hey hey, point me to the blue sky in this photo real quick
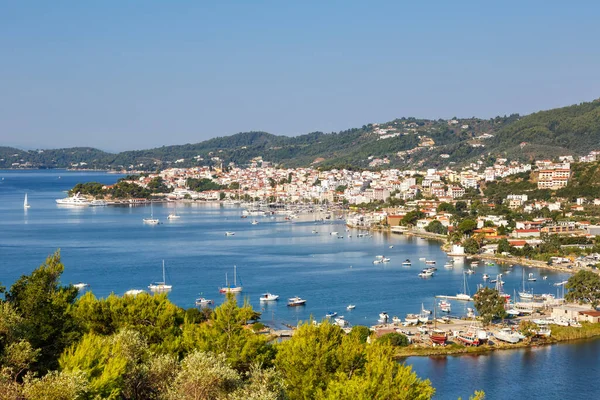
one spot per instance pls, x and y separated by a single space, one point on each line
137 74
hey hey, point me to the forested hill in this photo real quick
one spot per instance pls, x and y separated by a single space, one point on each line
405 142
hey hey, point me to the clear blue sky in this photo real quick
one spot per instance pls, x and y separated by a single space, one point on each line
136 74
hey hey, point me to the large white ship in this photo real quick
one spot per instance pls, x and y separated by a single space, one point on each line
76 200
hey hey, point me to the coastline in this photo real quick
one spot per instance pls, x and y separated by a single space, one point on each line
560 335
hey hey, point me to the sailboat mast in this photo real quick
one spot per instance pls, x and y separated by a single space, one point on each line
234 276
164 280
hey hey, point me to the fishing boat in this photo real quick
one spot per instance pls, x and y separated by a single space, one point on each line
406 263
151 220
507 335
330 314
468 338
296 301
268 297
531 277
229 233
25 203
202 302
436 335
160 287
350 307
412 319
231 289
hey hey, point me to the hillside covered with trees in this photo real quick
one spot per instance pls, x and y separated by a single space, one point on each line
572 130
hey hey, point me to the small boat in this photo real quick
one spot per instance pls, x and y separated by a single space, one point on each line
531 277
469 272
424 315
383 316
507 335
340 321
469 338
229 233
423 329
25 203
333 233
391 247
574 324
350 307
438 336
513 312
254 222
231 289
544 277
134 292
543 331
315 232
151 220
422 259
202 302
475 264
385 260
406 263
377 261
425 273
160 287
429 262
449 266
412 319
268 297
331 314
80 285
396 320
445 306
296 301
486 277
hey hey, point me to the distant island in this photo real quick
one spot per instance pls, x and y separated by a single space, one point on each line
401 143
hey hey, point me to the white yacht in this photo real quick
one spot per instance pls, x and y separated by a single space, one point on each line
202 302
151 220
231 288
160 287
229 233
76 200
80 286
507 335
134 292
173 216
268 297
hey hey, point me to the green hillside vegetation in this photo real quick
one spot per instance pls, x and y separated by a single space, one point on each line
572 130
56 345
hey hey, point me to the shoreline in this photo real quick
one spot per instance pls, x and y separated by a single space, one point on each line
572 334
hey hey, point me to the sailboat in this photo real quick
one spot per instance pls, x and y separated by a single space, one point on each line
151 220
160 287
173 215
525 294
25 203
231 289
437 336
464 295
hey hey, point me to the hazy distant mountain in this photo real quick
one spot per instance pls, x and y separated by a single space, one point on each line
399 143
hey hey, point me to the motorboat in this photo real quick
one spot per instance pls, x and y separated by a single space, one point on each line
160 287
76 200
333 233
80 285
449 266
134 292
469 272
340 321
268 297
531 277
475 264
513 312
507 335
229 233
422 259
425 273
331 314
406 263
296 301
412 319
429 262
445 306
385 260
173 216
350 307
543 331
202 302
231 289
377 261
254 222
486 277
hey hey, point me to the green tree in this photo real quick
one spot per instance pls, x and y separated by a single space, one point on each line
471 246
436 226
489 304
467 226
446 207
503 246
584 288
394 339
45 307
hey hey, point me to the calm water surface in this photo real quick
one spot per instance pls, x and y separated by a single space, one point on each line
113 251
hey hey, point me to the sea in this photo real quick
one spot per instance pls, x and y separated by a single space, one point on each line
113 251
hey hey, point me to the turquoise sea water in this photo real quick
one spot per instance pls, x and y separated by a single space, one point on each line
113 251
